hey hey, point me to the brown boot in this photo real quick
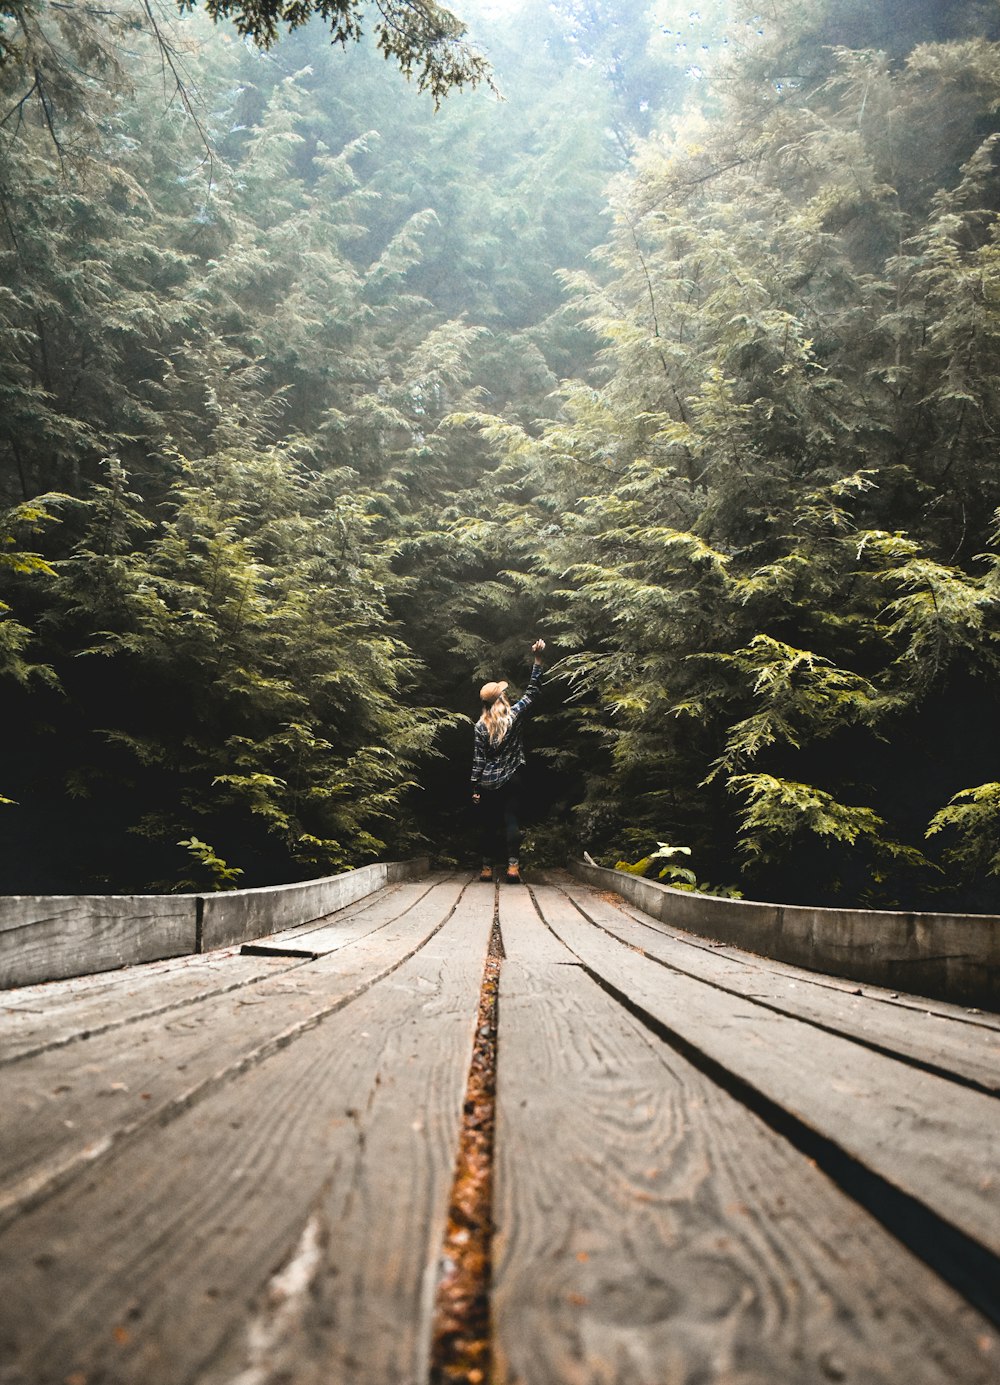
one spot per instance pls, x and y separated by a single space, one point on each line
513 876
486 874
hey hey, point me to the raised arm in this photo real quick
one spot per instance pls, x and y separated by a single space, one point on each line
534 682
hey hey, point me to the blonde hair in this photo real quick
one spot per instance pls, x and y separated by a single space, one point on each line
496 718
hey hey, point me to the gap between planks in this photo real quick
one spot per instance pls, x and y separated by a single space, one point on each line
914 1148
46 1150
972 1016
334 1160
650 1227
91 1001
461 1338
972 1064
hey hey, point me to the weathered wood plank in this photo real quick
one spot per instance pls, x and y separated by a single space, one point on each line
58 1012
933 1140
46 936
651 1229
332 1160
50 1015
325 935
954 956
901 1000
945 1043
237 915
65 1108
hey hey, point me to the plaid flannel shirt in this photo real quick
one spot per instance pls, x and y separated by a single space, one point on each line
494 765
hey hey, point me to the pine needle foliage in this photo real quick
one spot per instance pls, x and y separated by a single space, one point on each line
425 39
256 680
770 509
314 404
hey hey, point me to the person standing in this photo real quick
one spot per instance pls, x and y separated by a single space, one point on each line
497 762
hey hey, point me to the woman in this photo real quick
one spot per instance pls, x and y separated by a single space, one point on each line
497 761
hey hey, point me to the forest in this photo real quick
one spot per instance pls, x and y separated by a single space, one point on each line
669 333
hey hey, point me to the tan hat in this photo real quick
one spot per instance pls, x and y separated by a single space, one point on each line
489 692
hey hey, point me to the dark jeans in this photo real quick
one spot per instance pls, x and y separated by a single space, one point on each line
499 810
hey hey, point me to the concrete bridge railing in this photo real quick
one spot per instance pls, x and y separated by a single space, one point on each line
954 957
49 937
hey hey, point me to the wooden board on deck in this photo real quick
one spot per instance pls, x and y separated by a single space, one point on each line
932 1139
901 1000
59 1012
933 1039
294 1214
651 1229
375 911
55 1013
65 1108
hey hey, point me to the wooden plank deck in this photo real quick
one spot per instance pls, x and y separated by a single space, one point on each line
235 1169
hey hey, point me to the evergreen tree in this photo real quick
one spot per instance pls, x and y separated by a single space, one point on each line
786 475
315 404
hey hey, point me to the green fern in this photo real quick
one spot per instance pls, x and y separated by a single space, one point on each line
973 815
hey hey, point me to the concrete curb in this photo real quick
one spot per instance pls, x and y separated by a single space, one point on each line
953 957
51 937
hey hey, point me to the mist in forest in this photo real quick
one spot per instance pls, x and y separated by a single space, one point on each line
318 404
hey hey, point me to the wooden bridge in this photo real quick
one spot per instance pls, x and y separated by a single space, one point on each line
239 1168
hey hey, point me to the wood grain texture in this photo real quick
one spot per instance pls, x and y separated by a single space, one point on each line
931 1139
64 1109
230 916
652 1231
329 1163
325 935
934 1039
43 937
59 1012
56 1013
954 956
900 1000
